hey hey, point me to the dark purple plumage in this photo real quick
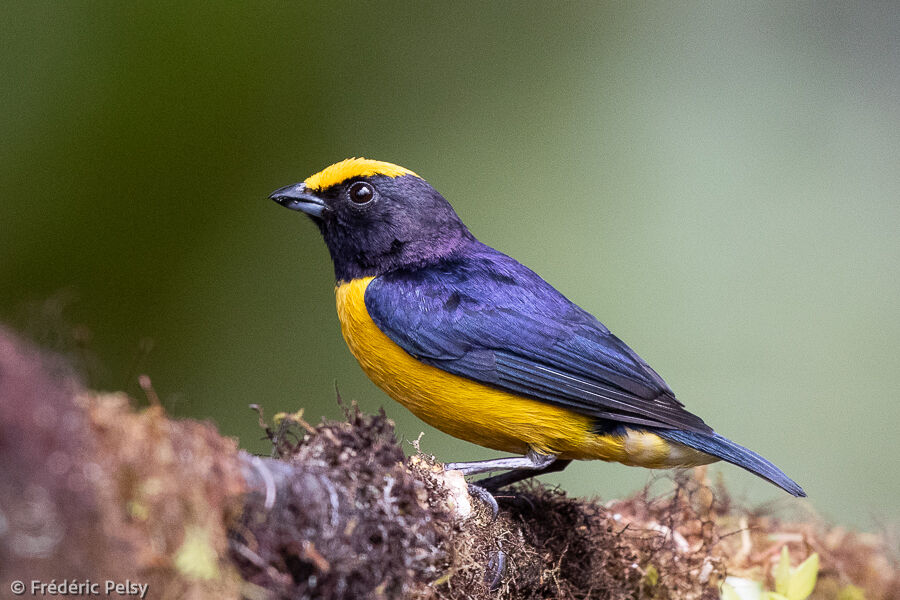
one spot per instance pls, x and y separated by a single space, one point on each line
384 235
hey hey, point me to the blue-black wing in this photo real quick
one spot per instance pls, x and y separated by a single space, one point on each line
482 315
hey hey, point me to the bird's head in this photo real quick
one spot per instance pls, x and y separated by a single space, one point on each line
376 217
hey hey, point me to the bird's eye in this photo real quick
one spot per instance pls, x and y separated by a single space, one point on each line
361 192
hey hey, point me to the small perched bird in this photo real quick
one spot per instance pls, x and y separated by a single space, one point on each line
480 347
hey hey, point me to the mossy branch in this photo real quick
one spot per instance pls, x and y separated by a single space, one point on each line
92 489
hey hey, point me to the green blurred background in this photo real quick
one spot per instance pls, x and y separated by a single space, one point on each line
718 183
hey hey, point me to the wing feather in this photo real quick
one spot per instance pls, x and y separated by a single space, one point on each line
484 316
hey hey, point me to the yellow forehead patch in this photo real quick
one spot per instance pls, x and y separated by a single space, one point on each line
353 167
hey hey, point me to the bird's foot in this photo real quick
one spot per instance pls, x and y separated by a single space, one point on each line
495 567
485 496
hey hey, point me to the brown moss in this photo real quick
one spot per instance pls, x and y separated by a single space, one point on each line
91 489
168 492
677 542
47 504
354 523
552 545
560 547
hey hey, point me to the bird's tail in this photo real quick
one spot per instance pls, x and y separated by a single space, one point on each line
715 444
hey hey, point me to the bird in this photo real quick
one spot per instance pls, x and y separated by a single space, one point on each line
480 347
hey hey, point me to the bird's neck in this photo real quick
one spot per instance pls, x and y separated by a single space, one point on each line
401 255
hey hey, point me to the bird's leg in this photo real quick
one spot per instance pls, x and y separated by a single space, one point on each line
530 464
492 484
520 467
532 461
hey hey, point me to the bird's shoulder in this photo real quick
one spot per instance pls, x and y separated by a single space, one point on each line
477 280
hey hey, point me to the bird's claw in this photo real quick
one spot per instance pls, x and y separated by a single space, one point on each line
485 496
495 567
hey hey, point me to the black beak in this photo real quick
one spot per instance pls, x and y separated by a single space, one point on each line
296 197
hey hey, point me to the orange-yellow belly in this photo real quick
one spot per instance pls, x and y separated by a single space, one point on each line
482 414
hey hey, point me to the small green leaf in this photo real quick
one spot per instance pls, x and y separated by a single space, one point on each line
729 593
651 575
739 588
851 592
137 510
196 558
803 579
783 572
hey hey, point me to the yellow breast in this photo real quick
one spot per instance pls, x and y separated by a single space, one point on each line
479 413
